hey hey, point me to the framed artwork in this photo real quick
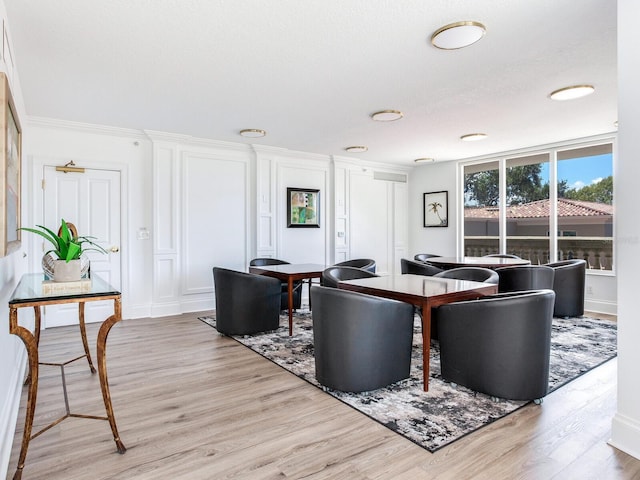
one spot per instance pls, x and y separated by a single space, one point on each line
10 161
436 209
303 208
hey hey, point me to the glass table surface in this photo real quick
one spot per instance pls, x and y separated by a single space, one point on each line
30 289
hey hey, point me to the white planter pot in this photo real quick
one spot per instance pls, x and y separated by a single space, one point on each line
64 271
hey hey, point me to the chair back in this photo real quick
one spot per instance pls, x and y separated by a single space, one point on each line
418 268
259 262
332 275
363 263
361 342
245 303
569 284
525 277
421 257
475 274
499 344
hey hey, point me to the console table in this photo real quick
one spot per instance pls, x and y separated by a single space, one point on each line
29 293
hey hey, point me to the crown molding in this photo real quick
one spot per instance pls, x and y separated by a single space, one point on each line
85 127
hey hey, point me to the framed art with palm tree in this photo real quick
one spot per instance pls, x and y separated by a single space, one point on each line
436 209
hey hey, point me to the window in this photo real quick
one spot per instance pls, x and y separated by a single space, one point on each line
510 207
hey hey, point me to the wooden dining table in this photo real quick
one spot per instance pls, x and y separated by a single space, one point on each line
484 262
423 292
290 273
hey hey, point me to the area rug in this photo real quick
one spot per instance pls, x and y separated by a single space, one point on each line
444 414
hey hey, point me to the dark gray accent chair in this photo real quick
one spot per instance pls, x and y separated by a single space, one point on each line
474 274
297 286
418 268
499 344
569 285
361 342
245 303
363 263
502 255
332 275
422 257
525 277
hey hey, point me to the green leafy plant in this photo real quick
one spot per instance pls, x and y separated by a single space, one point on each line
68 245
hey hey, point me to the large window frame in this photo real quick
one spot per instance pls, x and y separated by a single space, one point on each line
555 153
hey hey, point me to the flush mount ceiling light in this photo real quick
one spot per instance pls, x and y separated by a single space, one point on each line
356 149
569 93
252 133
424 160
473 137
387 115
458 35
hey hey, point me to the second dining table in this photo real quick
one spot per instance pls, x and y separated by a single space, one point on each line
290 273
423 292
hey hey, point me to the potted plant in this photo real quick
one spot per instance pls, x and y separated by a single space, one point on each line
65 261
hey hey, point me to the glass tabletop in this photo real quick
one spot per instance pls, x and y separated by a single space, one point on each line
33 287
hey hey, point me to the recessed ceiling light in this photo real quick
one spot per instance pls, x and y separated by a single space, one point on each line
356 149
458 35
252 133
569 93
424 160
387 115
472 137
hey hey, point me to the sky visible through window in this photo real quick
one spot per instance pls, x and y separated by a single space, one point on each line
579 172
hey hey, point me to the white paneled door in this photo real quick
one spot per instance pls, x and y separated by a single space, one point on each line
91 201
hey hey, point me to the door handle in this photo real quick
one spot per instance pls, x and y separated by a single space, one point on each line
114 249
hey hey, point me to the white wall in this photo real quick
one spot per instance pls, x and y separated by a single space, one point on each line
625 433
12 266
434 177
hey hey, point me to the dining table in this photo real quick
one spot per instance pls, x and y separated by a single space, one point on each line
290 273
448 263
423 292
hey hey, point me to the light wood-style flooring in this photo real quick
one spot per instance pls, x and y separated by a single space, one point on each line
191 404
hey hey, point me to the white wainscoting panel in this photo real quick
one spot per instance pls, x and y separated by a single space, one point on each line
214 218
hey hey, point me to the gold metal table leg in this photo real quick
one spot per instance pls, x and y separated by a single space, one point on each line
83 334
102 370
31 344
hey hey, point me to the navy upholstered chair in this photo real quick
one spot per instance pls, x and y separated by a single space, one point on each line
418 268
332 275
499 344
569 285
297 286
525 277
360 342
245 303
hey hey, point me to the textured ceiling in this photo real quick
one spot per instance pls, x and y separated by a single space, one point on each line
311 72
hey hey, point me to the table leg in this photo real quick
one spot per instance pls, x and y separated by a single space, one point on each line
31 345
290 290
83 334
426 342
102 370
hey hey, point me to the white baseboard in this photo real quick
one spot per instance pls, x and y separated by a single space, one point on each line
610 308
625 435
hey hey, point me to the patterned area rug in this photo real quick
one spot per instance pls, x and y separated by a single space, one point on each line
444 414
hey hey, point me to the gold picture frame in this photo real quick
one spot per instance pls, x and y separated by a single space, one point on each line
10 169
